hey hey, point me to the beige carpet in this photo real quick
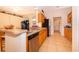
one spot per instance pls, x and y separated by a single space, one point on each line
56 43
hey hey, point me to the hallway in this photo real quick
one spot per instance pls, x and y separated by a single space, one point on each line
56 43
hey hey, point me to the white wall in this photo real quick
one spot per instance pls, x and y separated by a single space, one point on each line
75 29
30 18
6 19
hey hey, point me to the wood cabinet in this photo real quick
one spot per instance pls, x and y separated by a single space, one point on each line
36 42
42 36
68 33
27 43
2 41
69 18
41 17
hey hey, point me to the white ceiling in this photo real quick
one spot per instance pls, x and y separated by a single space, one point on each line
24 10
54 7
19 10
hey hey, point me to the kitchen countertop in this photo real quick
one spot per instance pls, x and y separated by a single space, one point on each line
34 31
13 32
67 28
16 32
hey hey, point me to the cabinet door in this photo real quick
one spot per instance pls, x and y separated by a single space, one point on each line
1 41
45 34
68 33
42 36
27 43
0 44
41 17
65 32
69 18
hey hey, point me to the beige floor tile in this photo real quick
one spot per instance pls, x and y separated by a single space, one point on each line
56 43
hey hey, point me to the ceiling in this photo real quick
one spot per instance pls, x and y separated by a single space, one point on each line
55 11
19 10
25 10
54 7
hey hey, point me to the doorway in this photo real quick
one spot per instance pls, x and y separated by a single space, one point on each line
57 22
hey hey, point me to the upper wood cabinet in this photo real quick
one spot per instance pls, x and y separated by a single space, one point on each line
69 18
41 17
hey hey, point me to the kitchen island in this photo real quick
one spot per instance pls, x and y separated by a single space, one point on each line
15 40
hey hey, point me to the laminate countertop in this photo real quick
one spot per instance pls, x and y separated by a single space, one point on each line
32 31
14 32
68 28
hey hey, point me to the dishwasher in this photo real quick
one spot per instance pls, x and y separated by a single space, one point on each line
33 42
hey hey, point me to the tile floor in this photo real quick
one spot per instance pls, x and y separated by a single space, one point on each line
56 43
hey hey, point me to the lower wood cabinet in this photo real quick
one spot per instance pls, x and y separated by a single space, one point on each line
36 42
27 43
2 41
68 33
42 36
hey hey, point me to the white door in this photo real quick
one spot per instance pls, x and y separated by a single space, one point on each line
57 24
